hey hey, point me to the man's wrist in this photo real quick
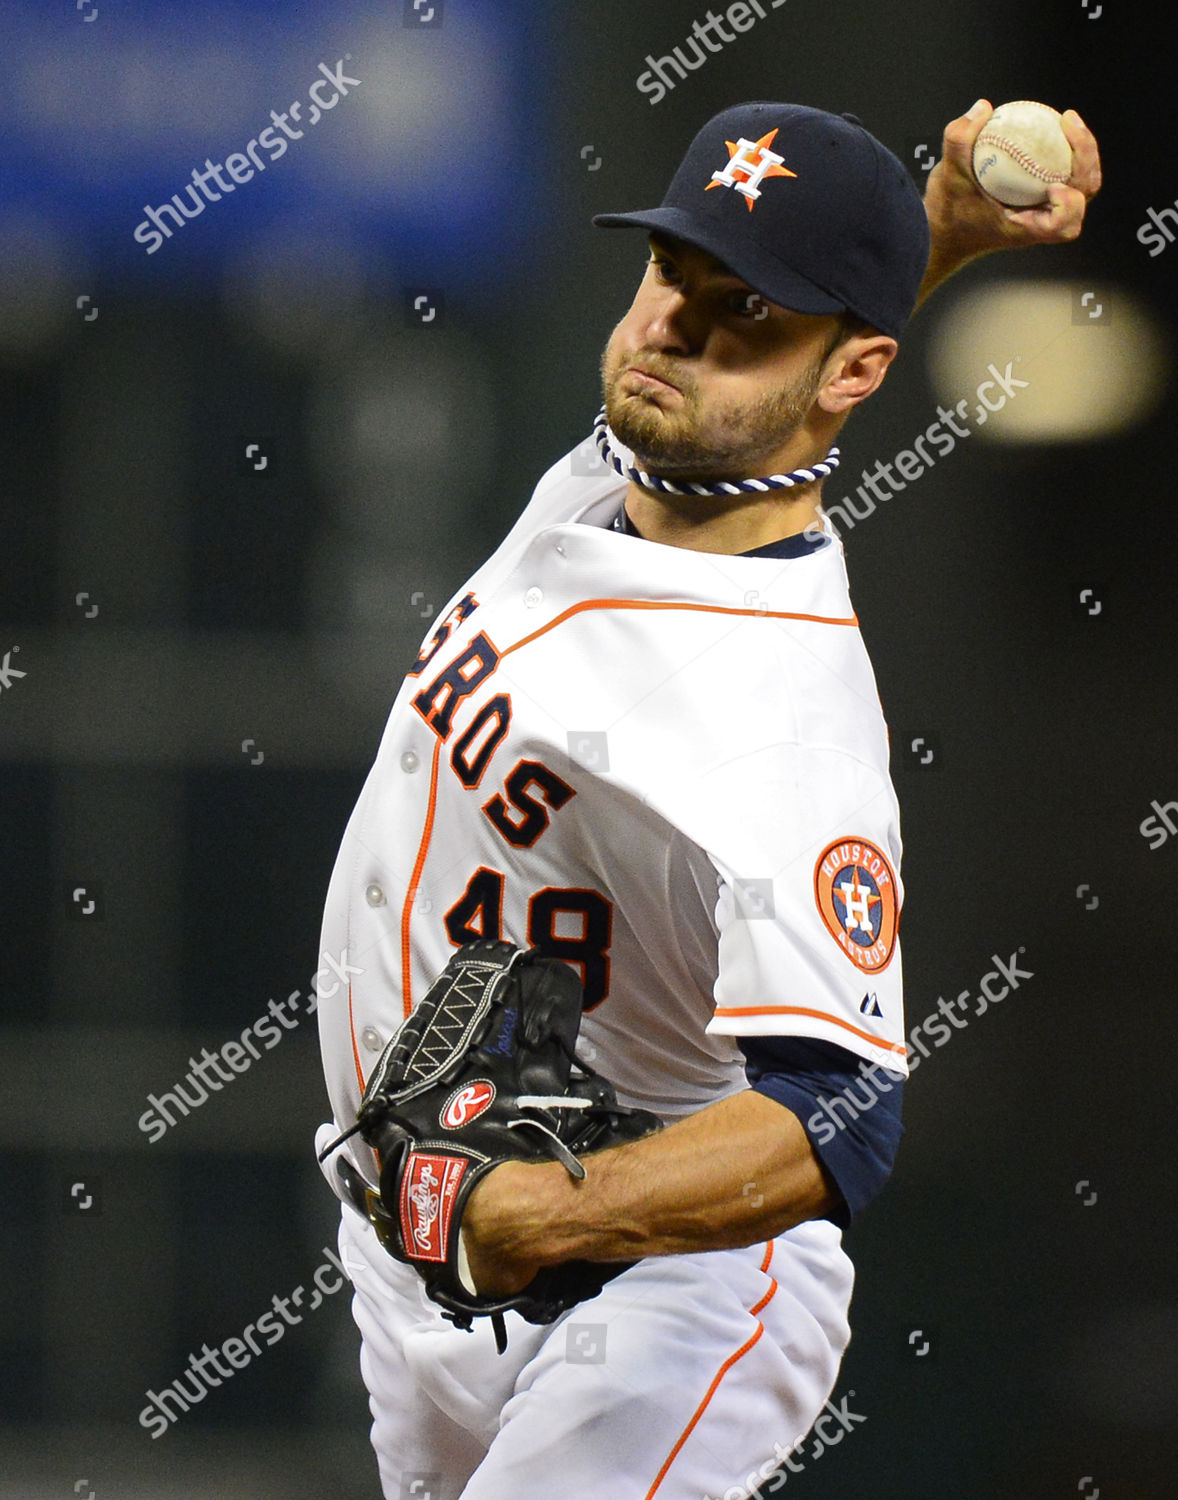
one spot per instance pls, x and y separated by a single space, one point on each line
515 1215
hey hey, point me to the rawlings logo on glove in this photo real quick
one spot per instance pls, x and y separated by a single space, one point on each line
483 1071
428 1185
467 1104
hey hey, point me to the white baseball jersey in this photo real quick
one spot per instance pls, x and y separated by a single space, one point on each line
668 767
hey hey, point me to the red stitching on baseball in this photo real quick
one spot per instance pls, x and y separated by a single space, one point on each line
1017 154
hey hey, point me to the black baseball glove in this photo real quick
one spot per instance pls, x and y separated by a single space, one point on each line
483 1071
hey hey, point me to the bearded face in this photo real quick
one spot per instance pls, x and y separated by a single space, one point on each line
661 409
705 379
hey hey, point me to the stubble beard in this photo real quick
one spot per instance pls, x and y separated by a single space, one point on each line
699 441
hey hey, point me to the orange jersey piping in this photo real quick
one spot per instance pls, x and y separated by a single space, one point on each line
355 1049
710 609
411 893
818 1015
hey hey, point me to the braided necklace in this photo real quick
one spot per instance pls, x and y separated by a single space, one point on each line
605 440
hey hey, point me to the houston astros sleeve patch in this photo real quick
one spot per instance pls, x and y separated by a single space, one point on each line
855 887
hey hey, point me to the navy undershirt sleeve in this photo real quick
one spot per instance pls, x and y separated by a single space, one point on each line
849 1109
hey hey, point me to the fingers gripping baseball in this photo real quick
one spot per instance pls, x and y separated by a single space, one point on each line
966 222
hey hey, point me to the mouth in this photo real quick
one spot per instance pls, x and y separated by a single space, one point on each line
654 381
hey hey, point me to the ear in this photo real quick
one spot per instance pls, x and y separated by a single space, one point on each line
854 370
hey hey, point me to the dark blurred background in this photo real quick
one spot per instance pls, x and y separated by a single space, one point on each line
239 475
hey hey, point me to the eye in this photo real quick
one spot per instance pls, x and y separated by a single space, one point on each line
664 270
749 305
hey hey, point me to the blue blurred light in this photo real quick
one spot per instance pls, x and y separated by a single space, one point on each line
105 122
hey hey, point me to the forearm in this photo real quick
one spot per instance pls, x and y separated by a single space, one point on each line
737 1173
944 262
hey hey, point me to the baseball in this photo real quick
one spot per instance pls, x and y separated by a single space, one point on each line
1022 150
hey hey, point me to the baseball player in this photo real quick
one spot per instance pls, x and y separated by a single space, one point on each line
645 738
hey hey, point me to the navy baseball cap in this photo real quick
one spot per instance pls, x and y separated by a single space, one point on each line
807 207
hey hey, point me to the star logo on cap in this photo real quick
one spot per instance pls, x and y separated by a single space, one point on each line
749 164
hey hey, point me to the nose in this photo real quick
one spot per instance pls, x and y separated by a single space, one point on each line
671 328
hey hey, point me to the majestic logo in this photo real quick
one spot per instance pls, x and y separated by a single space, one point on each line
467 1104
427 1204
855 888
750 163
